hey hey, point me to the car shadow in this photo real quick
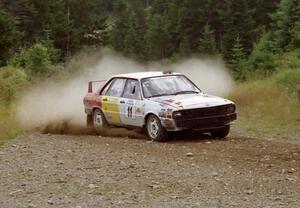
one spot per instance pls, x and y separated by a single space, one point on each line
192 136
65 128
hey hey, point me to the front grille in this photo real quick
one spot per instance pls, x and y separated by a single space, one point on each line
204 112
208 122
205 117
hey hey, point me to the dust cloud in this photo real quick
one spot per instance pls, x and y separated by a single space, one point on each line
210 75
57 106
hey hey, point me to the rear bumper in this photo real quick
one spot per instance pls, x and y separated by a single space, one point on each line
203 123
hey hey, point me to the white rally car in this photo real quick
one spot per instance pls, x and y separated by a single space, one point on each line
160 102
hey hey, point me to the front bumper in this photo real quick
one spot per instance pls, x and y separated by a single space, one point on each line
200 123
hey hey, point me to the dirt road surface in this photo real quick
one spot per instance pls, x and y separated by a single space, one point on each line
86 171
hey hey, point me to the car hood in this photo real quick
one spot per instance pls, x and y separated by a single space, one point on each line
189 101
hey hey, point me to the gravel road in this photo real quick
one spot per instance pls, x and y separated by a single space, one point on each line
86 171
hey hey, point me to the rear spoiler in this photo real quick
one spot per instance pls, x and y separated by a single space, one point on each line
94 86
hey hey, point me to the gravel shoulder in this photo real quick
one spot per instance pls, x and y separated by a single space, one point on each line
86 171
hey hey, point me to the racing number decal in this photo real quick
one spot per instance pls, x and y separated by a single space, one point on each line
130 112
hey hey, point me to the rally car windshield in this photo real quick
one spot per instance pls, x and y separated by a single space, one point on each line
167 85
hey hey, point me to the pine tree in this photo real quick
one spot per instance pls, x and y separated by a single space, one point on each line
262 58
287 14
207 44
120 26
295 33
133 40
237 57
193 17
158 37
128 31
10 36
237 20
237 50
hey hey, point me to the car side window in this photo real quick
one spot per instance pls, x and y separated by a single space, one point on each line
132 90
106 88
116 88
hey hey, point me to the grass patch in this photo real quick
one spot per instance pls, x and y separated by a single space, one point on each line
8 124
268 107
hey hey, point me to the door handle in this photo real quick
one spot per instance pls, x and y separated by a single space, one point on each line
122 101
104 99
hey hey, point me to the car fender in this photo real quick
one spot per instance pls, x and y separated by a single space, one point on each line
158 109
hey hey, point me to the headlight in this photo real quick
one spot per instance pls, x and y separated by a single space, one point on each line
177 114
162 114
230 109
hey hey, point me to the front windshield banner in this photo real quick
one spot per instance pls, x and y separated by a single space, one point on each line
167 85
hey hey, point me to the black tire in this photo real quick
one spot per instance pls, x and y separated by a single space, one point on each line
155 130
89 121
221 133
99 121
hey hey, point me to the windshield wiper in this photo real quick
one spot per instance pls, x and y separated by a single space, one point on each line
158 95
185 92
177 93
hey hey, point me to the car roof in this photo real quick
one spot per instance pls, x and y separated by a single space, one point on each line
142 75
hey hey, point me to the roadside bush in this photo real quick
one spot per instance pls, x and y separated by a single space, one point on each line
36 60
261 62
12 81
8 125
288 60
262 59
290 80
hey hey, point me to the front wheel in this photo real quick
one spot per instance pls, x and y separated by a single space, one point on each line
221 133
155 130
99 121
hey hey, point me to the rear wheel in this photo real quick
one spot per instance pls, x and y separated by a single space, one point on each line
99 121
155 130
221 133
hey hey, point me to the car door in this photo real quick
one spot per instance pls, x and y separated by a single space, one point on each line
111 100
131 104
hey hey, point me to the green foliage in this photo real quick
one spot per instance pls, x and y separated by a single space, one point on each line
143 29
284 19
71 24
12 81
237 50
54 53
290 80
10 36
134 37
128 32
237 20
243 31
238 60
261 62
288 60
207 44
36 60
158 39
295 35
261 59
